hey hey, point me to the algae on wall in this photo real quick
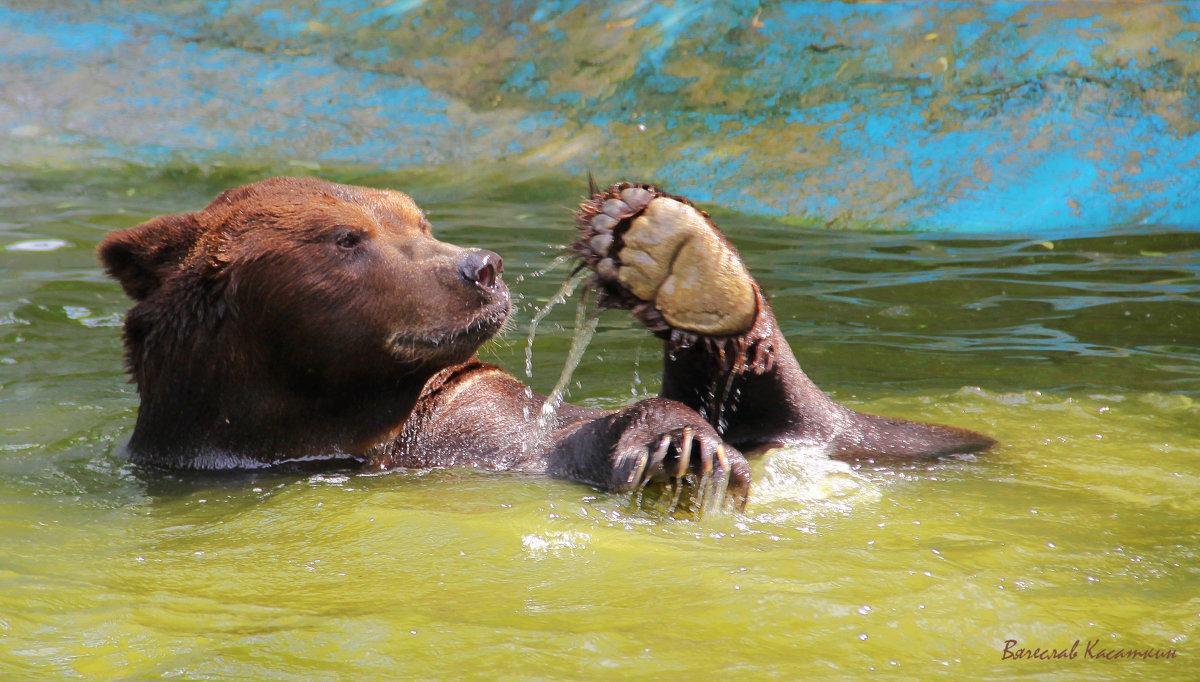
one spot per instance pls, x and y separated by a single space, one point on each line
989 116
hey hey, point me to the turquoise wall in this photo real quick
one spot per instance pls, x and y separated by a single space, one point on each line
976 116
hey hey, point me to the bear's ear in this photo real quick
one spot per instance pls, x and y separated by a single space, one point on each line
141 257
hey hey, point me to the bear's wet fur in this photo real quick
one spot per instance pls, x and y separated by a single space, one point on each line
239 342
299 320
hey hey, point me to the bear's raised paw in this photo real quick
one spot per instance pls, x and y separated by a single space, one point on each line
663 258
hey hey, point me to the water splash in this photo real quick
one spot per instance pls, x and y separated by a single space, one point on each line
567 289
587 316
559 261
722 397
638 388
804 481
554 543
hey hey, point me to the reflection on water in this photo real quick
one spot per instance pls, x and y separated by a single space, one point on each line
1079 354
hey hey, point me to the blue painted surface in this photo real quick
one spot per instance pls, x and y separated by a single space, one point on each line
1029 117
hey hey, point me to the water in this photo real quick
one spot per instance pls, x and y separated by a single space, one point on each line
1080 354
560 297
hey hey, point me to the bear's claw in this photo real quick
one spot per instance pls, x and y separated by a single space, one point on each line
661 257
690 466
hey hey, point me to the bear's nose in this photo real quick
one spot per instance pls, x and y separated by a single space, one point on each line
480 268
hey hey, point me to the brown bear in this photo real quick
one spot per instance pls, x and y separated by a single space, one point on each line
299 322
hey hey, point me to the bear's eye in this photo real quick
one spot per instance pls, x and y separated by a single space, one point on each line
348 239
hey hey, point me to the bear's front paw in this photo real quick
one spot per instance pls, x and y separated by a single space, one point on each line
687 468
660 256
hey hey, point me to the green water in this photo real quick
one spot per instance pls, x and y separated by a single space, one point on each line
1081 355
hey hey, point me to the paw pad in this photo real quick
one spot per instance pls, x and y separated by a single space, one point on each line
654 252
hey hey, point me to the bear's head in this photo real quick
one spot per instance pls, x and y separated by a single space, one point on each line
292 318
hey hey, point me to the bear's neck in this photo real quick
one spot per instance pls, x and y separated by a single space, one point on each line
197 413
245 424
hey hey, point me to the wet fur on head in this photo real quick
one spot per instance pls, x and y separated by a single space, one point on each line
286 297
